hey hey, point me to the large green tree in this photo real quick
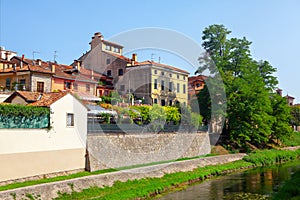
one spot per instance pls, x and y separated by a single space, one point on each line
254 114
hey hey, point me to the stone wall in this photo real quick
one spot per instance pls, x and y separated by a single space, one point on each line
50 190
115 151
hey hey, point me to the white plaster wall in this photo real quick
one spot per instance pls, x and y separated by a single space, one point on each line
58 138
40 151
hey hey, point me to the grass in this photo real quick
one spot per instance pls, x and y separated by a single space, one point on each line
292 140
147 187
86 173
270 157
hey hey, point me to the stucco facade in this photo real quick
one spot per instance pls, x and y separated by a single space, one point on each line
155 83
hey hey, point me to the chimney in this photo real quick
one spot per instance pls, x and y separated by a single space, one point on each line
77 64
134 59
38 61
53 67
21 63
6 55
279 91
96 40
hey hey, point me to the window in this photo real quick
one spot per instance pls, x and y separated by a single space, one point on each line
87 87
122 88
170 86
170 102
184 88
162 85
155 83
22 84
117 50
177 76
155 101
163 102
67 85
108 61
7 84
162 73
178 88
70 119
170 75
198 84
108 47
183 77
155 71
75 85
121 72
40 87
108 73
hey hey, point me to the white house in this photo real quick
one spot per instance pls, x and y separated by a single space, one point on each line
31 152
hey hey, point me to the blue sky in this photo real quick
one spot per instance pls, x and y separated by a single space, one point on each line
66 26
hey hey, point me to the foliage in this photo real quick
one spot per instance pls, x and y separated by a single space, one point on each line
20 110
254 113
290 190
144 112
106 117
172 114
269 157
146 187
157 117
106 106
295 118
291 140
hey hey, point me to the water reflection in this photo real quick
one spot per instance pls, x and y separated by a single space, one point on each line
255 181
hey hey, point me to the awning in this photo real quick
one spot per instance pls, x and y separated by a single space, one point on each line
87 97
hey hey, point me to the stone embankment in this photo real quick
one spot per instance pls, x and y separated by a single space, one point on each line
51 190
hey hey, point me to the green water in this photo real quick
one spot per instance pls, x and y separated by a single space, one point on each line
262 181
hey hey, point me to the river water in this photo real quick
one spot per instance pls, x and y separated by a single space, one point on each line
262 180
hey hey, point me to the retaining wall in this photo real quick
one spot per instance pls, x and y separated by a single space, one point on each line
117 150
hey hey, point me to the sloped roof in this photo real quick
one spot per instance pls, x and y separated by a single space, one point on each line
148 62
192 79
47 99
37 98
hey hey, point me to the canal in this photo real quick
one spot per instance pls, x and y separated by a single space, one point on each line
262 180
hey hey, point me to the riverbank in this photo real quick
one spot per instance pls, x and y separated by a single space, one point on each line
144 182
150 187
53 189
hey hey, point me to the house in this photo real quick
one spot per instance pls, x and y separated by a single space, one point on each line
154 83
105 57
290 100
34 152
21 73
195 84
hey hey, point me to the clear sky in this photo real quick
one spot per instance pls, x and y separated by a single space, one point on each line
66 26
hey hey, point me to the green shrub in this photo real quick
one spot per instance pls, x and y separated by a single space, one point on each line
269 157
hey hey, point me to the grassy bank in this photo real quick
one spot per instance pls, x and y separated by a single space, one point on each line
145 188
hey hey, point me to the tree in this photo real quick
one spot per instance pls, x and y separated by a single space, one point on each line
254 114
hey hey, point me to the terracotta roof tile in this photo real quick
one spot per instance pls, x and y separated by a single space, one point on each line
148 62
48 98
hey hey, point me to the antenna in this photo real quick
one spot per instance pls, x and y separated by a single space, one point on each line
152 56
159 59
34 52
55 56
